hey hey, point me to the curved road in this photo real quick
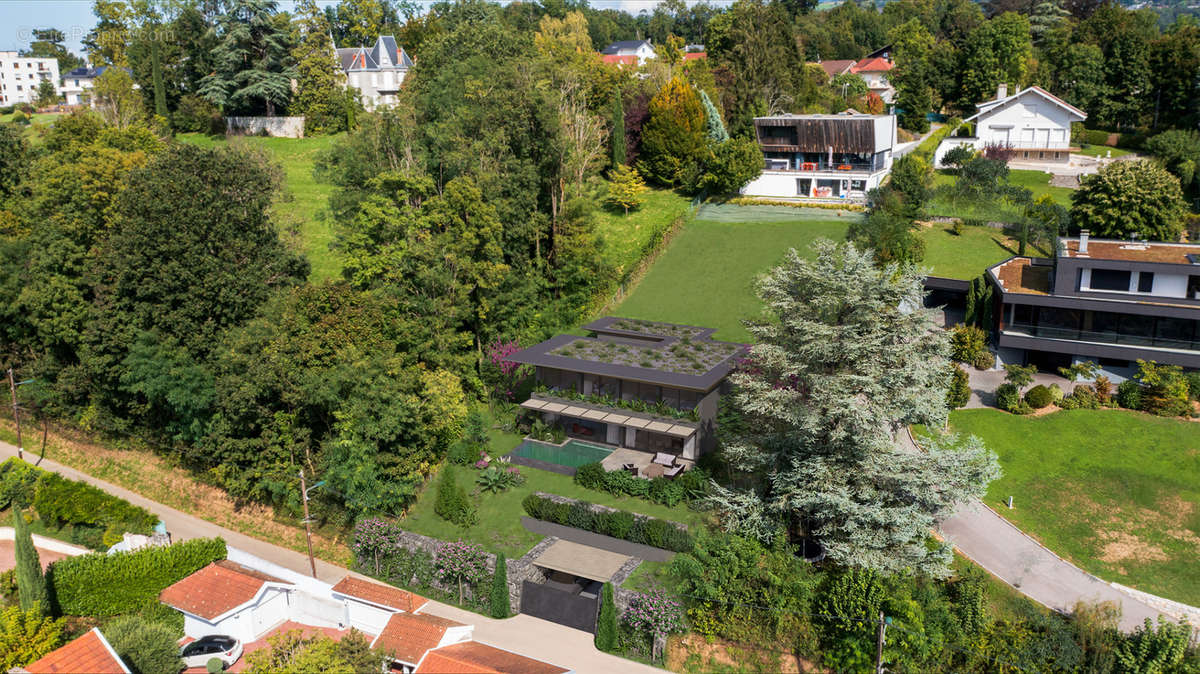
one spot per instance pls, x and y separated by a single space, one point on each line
523 634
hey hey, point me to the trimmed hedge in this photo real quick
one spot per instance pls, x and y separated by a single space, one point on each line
60 502
669 492
617 523
103 585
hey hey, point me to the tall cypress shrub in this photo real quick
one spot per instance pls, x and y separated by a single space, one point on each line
617 138
499 595
972 297
31 585
606 627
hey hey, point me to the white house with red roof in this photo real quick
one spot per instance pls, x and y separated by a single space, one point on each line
874 71
1033 122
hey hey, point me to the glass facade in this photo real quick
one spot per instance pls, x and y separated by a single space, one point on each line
1104 327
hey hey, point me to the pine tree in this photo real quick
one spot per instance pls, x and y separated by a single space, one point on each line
499 596
31 585
319 96
625 188
606 625
843 360
617 139
160 92
716 127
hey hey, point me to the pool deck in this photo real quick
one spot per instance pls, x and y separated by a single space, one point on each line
639 458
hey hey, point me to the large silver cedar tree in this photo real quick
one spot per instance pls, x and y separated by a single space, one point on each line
846 357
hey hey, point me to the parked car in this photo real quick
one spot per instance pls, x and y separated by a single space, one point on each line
199 652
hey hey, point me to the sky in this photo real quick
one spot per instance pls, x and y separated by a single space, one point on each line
18 18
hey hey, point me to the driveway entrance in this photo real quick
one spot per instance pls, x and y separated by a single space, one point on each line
573 576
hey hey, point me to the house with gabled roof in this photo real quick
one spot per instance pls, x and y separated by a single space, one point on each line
377 72
641 49
407 637
874 71
1033 123
89 653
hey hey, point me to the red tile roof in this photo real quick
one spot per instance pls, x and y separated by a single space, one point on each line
89 653
472 657
378 593
408 636
216 589
872 65
693 55
630 60
836 67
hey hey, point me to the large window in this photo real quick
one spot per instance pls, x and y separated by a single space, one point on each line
1110 279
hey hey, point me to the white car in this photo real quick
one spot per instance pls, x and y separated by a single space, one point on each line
199 652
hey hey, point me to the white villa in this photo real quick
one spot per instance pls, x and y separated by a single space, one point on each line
21 75
77 82
1034 122
377 72
840 156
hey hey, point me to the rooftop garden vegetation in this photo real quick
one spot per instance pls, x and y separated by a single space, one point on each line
657 328
685 356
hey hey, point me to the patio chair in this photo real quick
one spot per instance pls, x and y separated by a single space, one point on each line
673 471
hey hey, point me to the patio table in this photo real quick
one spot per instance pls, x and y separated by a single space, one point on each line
653 470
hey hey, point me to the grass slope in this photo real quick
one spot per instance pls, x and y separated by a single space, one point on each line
1037 182
967 255
625 236
707 275
302 207
1115 492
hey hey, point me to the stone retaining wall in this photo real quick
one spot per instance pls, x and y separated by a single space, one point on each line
280 127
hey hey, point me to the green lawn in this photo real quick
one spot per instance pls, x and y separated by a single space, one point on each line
1116 492
1103 151
38 122
1037 182
967 255
499 527
302 209
626 236
707 275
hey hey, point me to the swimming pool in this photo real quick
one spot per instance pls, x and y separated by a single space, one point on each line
573 454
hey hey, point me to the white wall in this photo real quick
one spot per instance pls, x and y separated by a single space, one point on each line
1030 122
365 617
782 184
26 73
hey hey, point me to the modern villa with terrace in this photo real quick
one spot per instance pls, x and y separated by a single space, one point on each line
840 156
634 389
1112 302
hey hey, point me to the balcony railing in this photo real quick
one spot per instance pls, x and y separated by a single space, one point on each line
1103 337
818 166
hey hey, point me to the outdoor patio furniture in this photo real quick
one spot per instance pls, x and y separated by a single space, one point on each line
664 459
653 470
673 471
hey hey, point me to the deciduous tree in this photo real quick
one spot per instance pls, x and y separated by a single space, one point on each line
625 188
1130 198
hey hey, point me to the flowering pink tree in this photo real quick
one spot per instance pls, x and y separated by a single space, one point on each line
460 563
655 615
375 538
510 373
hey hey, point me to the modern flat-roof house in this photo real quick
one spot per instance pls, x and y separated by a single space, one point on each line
77 83
377 72
635 384
1033 122
642 49
20 77
838 156
1111 302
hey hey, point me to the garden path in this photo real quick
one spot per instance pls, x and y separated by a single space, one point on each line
523 634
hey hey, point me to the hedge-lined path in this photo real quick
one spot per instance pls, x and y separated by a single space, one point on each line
595 540
522 634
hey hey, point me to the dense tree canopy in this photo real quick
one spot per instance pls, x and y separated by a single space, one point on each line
1130 199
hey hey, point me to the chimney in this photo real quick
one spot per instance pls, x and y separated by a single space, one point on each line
1083 240
1001 91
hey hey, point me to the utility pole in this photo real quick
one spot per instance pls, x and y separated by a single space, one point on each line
12 388
307 527
879 641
